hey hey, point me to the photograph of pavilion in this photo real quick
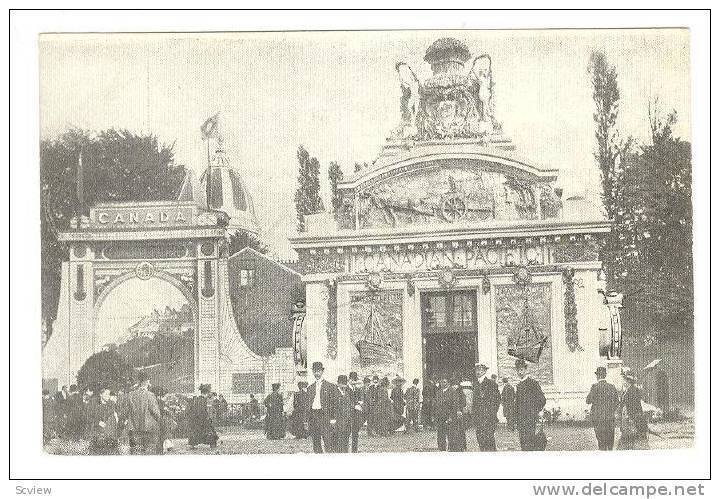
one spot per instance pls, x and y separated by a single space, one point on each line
447 228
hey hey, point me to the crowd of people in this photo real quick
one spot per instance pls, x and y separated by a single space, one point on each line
137 418
608 406
332 414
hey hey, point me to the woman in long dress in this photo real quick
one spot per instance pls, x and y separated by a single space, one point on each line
200 429
633 425
384 408
457 438
275 418
299 419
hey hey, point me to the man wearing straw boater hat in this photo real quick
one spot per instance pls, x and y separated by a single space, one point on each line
322 400
603 400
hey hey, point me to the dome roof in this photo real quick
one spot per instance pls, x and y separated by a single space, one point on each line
228 193
447 49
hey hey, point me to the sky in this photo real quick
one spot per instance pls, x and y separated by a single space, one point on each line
337 93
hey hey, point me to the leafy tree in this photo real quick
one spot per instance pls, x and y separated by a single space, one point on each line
117 165
360 166
646 190
105 368
307 195
655 228
335 175
241 239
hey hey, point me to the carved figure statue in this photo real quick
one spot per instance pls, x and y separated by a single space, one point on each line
480 80
410 100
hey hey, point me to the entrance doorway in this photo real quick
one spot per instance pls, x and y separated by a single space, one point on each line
449 330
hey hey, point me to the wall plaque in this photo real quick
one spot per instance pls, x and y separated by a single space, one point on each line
523 320
376 333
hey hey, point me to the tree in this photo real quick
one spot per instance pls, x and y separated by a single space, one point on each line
105 369
611 150
335 175
241 239
307 195
655 225
360 166
118 165
646 190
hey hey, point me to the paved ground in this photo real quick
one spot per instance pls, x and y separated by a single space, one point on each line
560 438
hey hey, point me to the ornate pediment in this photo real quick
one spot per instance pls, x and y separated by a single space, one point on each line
447 192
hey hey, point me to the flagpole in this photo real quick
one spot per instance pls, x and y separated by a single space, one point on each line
79 185
209 129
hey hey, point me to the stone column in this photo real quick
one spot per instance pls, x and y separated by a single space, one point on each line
56 354
316 296
81 306
487 333
614 302
344 347
412 333
208 350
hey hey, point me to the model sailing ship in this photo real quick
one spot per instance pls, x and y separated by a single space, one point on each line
373 347
529 342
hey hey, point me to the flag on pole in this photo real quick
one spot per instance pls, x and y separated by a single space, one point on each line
210 130
79 184
211 127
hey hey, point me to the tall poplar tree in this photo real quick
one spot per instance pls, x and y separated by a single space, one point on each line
335 175
611 149
307 195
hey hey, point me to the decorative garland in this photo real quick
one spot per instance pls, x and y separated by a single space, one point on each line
331 322
571 324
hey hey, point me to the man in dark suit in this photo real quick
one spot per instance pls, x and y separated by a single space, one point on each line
346 407
529 401
358 415
397 398
508 402
62 395
145 418
322 399
428 402
103 424
75 414
485 404
447 411
370 405
412 399
603 400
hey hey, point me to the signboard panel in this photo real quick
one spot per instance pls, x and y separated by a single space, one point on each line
141 217
459 258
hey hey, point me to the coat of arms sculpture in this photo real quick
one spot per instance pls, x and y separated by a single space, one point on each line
452 103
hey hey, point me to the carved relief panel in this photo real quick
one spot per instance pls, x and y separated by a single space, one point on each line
449 193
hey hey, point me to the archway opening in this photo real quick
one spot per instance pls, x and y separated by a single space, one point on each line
152 326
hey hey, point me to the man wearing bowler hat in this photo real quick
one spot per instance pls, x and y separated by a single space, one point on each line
485 405
322 400
356 387
529 401
342 429
603 400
